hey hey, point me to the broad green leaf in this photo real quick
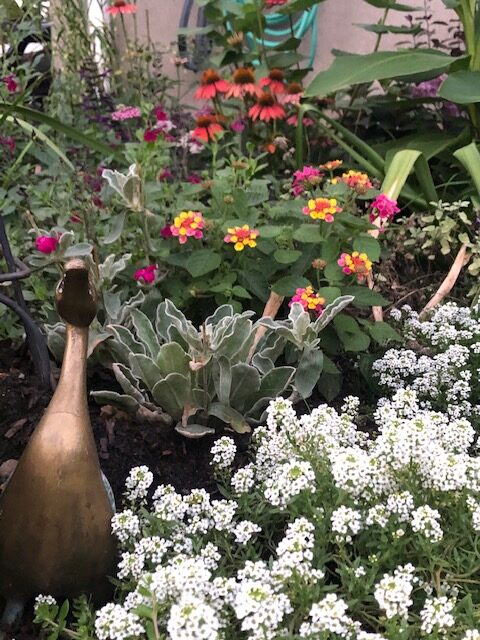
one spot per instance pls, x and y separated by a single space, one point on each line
350 334
172 394
287 256
245 382
275 381
269 231
330 293
398 172
349 70
330 385
430 143
35 131
330 311
365 297
469 156
462 87
222 378
124 342
369 245
145 369
172 358
229 416
194 431
11 8
392 4
117 399
383 333
308 233
116 228
308 371
287 285
390 28
128 382
202 261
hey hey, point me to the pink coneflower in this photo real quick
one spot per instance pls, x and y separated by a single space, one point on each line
47 244
11 83
274 3
207 128
266 108
120 6
210 85
243 84
274 81
293 120
147 274
126 113
293 95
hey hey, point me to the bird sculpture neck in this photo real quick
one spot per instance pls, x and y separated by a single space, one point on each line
71 393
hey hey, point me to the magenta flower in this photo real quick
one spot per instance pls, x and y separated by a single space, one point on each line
126 113
47 244
9 142
193 178
384 208
304 179
151 135
238 125
165 175
147 274
11 83
166 231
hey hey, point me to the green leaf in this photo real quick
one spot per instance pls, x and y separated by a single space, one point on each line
365 297
241 292
124 342
245 382
229 416
309 233
172 358
469 156
392 4
350 334
287 256
275 381
128 382
398 172
390 28
116 228
330 293
349 70
76 250
269 231
202 261
287 285
145 331
330 311
308 371
369 245
222 378
145 369
29 115
462 87
330 385
194 431
172 394
35 131
383 333
117 399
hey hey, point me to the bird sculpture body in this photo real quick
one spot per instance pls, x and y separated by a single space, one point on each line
55 514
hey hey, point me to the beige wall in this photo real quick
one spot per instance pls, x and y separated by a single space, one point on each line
336 19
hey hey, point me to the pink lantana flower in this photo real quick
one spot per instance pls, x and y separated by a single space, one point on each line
126 113
47 244
384 208
306 178
147 274
188 224
309 299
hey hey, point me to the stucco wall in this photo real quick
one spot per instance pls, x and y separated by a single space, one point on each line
336 20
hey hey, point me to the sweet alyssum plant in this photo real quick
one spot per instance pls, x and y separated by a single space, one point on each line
328 533
217 371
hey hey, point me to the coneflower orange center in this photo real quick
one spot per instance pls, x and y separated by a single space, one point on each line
266 100
205 121
294 87
210 76
276 74
244 75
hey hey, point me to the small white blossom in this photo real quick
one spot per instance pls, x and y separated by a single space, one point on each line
113 622
223 452
436 615
393 592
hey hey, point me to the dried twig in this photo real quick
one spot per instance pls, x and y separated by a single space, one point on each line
272 306
448 283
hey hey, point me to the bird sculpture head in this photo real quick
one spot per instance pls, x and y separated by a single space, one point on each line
75 296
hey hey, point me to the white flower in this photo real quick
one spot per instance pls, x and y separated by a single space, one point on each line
44 600
393 592
291 479
243 480
223 452
126 525
346 522
193 619
138 483
425 520
471 634
113 622
436 615
328 616
244 530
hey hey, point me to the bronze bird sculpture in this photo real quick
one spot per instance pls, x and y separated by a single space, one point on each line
55 531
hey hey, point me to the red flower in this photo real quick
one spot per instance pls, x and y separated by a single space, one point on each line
274 81
47 244
166 232
266 108
207 128
147 274
294 94
243 84
120 6
11 83
150 135
210 84
274 3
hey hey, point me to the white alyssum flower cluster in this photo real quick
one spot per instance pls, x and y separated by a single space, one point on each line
328 532
442 364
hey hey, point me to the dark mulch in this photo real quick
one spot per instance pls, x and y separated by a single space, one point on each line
122 443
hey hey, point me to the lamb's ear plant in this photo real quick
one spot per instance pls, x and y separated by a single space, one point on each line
207 376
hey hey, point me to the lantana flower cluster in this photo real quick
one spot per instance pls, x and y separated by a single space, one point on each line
328 532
